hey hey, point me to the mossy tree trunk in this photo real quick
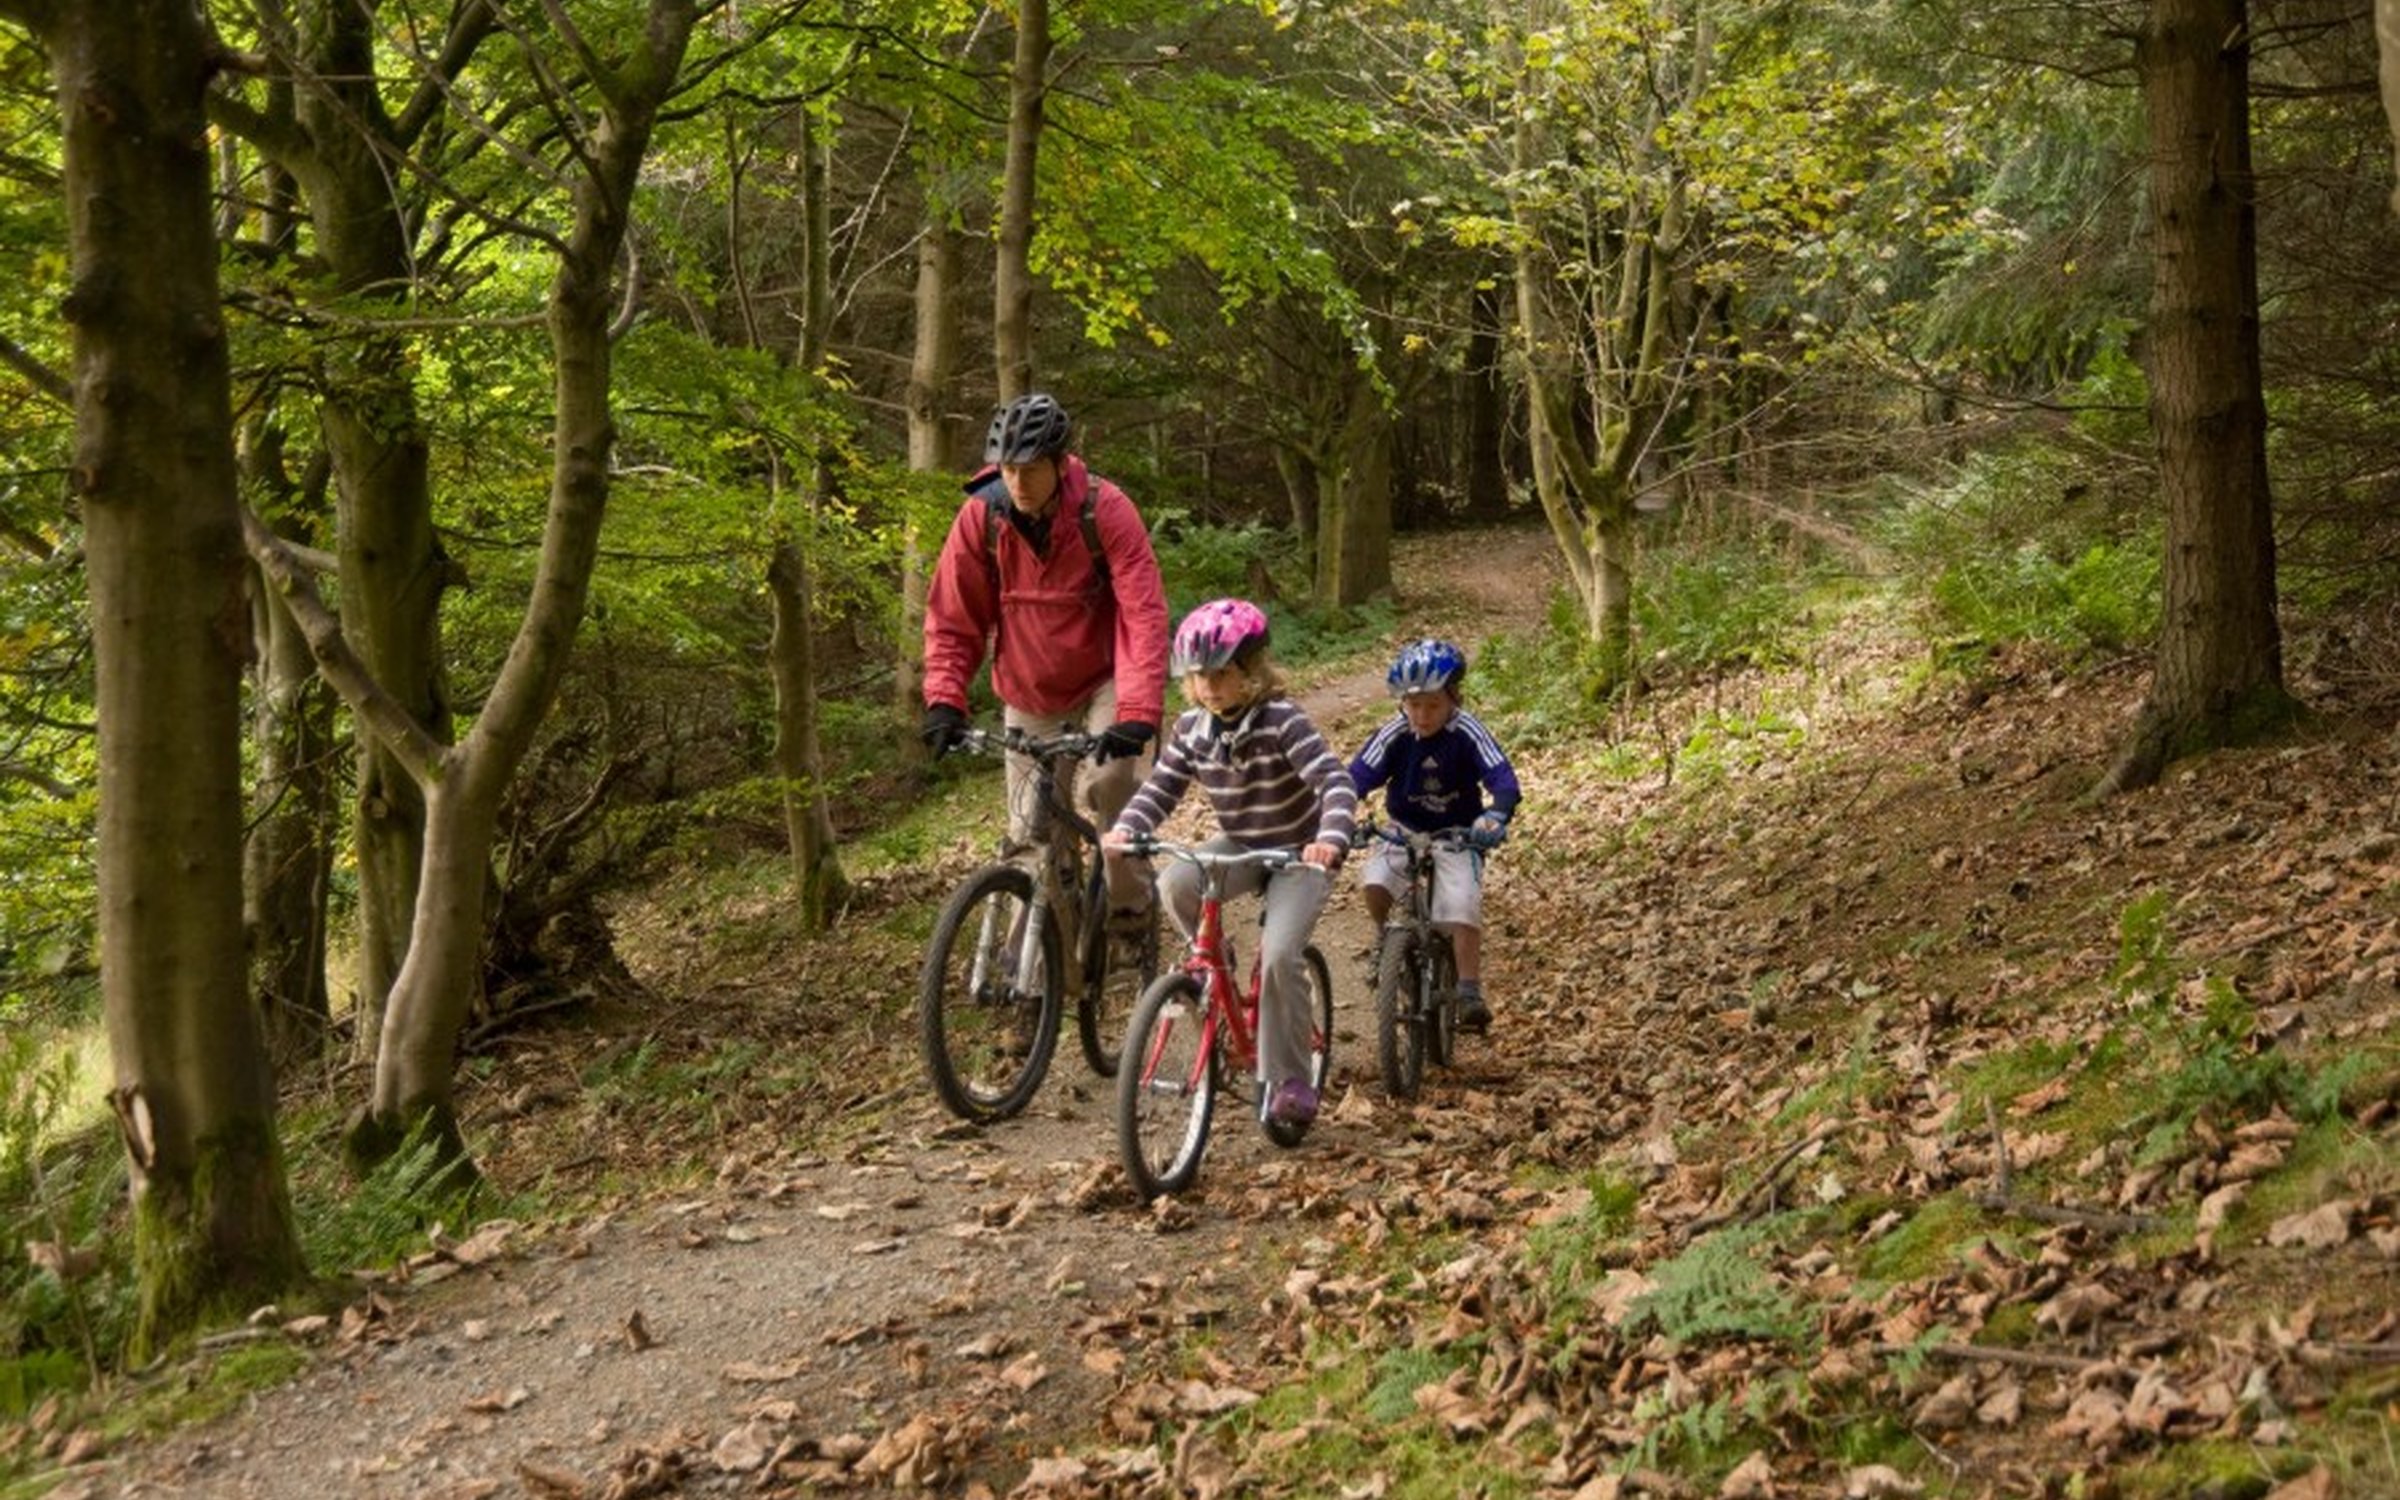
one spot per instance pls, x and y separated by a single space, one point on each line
154 476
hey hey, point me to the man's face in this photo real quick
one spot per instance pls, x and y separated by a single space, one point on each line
1033 487
1427 712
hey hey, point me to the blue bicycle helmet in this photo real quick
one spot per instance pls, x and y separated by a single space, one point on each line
1427 666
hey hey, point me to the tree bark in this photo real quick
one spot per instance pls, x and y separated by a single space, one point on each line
435 990
933 445
155 478
799 753
1354 532
338 141
2387 47
2218 674
1012 278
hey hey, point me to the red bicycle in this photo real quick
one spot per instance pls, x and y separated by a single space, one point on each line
1195 1030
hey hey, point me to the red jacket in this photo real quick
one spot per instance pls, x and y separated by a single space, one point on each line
1059 635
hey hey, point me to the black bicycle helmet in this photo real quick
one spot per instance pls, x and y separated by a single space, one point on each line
1026 429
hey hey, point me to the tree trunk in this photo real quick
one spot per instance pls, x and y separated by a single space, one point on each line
2218 675
1354 535
337 141
1012 279
435 990
2387 46
932 445
287 859
799 755
155 480
1486 403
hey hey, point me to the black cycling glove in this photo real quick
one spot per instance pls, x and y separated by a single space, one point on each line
1123 740
944 727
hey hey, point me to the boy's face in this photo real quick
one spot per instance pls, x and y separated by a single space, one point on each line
1033 487
1427 712
1220 690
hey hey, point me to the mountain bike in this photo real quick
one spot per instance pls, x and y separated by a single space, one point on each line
1416 974
991 994
1195 1030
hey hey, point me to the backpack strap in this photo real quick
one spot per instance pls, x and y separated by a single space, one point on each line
992 495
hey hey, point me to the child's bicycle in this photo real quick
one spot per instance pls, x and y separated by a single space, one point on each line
990 995
1195 1031
1416 974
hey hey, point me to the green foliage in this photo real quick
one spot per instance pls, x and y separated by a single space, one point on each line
1732 605
62 1317
1527 687
1717 1289
384 1215
2021 545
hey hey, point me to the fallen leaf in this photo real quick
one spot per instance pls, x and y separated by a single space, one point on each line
2319 1228
496 1401
2004 1407
745 1449
637 1332
1875 1481
1948 1408
743 1372
1752 1479
2316 1484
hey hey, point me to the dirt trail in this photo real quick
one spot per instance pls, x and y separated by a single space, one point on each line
954 1301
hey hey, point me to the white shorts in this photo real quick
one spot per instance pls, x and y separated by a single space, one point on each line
1457 881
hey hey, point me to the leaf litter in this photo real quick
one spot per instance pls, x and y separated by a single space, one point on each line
1745 1006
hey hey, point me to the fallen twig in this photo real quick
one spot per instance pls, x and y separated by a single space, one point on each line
1766 1181
2001 1200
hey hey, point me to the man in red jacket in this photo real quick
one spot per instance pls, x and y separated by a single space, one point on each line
1051 564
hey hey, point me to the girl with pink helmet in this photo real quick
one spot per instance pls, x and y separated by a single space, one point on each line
1273 784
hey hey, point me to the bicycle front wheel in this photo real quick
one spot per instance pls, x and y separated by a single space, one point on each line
1166 1087
988 1016
1400 1025
1116 972
1439 1003
1320 1040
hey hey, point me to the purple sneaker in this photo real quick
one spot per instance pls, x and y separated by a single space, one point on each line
1295 1103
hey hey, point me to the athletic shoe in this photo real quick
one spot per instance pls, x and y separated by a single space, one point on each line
1473 1014
1295 1103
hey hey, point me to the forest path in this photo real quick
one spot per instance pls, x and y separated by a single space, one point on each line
935 1302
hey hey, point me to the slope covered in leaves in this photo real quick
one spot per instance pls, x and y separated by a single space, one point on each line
1867 1114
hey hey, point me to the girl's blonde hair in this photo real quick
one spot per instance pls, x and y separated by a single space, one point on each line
1264 676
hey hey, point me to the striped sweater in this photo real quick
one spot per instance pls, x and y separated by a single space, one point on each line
1270 776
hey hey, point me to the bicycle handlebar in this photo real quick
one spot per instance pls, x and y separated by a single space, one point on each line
1073 744
1146 844
1418 843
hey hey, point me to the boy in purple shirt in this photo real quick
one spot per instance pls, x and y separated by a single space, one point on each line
1436 763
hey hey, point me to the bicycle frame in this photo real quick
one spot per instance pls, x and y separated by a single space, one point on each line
1232 1021
1060 871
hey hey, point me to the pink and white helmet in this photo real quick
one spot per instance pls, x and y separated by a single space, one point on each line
1219 632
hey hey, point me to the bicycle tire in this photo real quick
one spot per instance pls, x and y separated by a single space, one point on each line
1440 1002
1400 1031
980 1063
1105 1004
1167 1087
1320 1048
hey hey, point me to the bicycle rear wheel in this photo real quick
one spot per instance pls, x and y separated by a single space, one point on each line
1320 1041
988 1030
1111 989
1166 1087
1399 1020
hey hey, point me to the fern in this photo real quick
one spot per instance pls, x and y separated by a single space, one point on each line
1717 1289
